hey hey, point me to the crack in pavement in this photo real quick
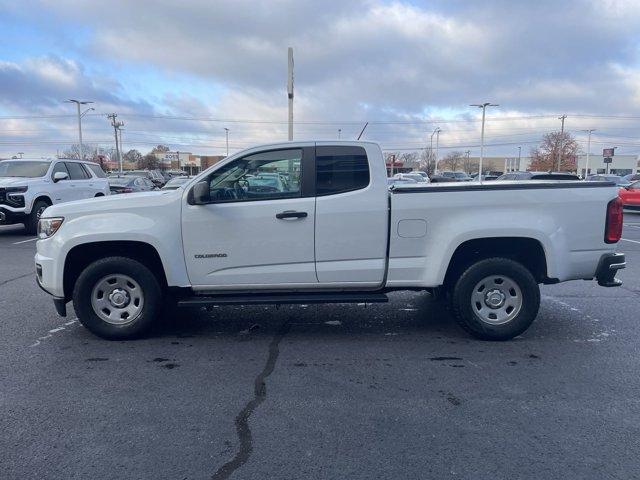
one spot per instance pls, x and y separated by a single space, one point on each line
242 419
16 278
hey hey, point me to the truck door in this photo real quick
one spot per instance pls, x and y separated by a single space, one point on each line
62 190
257 227
351 216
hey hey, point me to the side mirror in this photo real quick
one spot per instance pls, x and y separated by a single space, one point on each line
201 193
58 176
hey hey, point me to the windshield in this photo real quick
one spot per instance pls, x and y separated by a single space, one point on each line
25 169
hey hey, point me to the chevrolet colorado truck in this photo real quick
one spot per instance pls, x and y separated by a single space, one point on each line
315 222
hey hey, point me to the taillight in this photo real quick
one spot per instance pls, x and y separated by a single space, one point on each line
613 228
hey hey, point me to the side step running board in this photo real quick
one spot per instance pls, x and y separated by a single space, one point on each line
275 299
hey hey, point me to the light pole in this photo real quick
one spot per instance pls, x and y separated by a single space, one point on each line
290 91
436 130
586 167
519 157
562 118
483 106
226 132
78 103
339 133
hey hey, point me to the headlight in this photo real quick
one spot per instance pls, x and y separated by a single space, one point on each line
47 227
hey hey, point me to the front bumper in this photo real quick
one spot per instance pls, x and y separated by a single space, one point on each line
607 269
10 217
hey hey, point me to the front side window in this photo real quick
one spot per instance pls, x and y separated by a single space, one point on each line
59 167
261 176
341 169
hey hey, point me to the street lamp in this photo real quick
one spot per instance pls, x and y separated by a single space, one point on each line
78 103
586 167
483 106
436 131
226 131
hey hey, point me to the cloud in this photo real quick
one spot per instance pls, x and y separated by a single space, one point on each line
355 61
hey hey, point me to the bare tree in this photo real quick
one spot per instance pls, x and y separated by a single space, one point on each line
132 156
453 161
470 166
427 161
545 157
160 149
149 162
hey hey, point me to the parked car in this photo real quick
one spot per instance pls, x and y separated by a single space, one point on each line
630 196
130 184
421 173
618 180
632 177
538 176
175 183
441 179
457 176
400 181
416 177
154 175
28 187
341 237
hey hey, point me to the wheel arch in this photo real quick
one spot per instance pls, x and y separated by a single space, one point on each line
528 251
80 256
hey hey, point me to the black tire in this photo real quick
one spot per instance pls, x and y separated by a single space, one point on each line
469 318
97 271
31 224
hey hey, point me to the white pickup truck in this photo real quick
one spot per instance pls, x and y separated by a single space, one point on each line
314 222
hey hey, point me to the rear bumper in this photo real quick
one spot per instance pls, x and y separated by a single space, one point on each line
607 269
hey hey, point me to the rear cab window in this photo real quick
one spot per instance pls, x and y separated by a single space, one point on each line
76 172
341 169
95 168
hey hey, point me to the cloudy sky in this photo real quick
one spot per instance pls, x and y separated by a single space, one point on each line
180 72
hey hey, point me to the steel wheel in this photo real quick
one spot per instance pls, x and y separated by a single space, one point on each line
496 299
117 299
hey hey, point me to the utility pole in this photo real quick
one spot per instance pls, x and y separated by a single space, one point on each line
586 167
561 138
468 163
226 131
116 125
483 106
120 137
435 168
78 103
290 93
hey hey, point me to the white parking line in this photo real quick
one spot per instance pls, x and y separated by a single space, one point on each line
25 241
627 240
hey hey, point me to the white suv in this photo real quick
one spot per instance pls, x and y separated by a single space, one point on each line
28 187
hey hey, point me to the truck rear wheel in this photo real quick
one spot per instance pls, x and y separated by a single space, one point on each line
496 299
117 298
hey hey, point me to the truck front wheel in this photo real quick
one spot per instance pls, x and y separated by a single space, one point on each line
117 298
496 299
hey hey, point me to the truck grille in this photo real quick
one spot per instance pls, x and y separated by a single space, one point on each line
17 201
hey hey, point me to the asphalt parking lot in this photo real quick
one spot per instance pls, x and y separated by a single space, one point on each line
350 391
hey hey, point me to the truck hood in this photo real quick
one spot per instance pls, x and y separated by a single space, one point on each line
113 203
15 181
